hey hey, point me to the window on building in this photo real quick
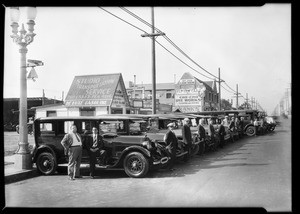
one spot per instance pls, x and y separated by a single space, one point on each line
87 111
168 95
51 113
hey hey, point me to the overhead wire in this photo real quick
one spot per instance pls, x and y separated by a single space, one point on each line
167 38
181 60
155 39
172 43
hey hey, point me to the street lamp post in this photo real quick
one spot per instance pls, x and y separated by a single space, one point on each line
24 38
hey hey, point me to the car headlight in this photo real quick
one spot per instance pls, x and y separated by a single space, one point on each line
147 145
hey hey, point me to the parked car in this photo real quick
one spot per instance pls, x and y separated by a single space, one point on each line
158 128
128 150
270 123
29 128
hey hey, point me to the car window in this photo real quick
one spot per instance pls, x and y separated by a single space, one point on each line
112 126
47 129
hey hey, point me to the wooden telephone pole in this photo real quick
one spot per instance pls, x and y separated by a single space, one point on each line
153 35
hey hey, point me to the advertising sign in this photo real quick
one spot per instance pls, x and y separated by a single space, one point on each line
92 90
118 100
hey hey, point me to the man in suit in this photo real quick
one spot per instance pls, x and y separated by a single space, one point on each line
172 143
201 130
211 133
72 143
222 133
95 146
202 136
187 136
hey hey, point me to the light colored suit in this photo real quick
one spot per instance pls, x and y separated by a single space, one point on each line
74 153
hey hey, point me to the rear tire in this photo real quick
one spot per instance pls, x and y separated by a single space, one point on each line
250 131
46 163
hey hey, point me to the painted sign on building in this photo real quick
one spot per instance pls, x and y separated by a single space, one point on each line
118 100
97 90
189 94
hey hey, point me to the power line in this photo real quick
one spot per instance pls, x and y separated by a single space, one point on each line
229 87
171 42
226 89
123 20
181 60
155 40
168 39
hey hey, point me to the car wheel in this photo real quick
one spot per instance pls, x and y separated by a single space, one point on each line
194 150
272 128
46 163
136 165
250 131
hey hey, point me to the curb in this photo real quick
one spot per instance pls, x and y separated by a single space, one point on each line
21 175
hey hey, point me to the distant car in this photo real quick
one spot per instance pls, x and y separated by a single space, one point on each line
29 128
127 149
270 123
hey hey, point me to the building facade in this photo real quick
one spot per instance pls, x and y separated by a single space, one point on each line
194 95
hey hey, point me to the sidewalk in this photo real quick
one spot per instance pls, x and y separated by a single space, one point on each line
12 174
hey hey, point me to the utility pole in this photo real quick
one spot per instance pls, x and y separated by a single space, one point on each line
237 96
43 98
247 101
134 82
220 101
153 35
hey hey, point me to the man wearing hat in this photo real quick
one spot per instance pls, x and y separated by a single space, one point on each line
187 135
172 143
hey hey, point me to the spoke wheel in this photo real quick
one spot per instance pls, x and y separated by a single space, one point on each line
46 163
136 165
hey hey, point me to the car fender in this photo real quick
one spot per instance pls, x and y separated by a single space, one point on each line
246 126
133 149
44 148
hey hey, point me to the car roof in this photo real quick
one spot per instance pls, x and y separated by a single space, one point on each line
98 117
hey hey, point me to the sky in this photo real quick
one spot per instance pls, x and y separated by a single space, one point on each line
250 45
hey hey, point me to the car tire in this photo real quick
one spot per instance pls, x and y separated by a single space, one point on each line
46 163
272 128
195 150
250 131
136 165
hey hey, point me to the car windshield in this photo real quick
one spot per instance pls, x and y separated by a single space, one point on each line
269 120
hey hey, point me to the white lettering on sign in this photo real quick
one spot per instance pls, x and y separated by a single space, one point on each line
187 99
185 109
186 81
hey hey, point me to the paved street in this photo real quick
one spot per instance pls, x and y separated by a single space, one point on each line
252 172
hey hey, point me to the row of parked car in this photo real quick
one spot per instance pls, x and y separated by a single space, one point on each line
134 143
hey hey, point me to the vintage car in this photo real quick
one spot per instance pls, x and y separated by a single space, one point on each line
209 145
158 128
127 149
270 123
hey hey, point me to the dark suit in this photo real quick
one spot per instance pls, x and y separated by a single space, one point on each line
172 143
94 144
211 133
201 132
222 135
187 138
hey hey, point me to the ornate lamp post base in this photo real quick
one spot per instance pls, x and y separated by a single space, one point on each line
23 161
